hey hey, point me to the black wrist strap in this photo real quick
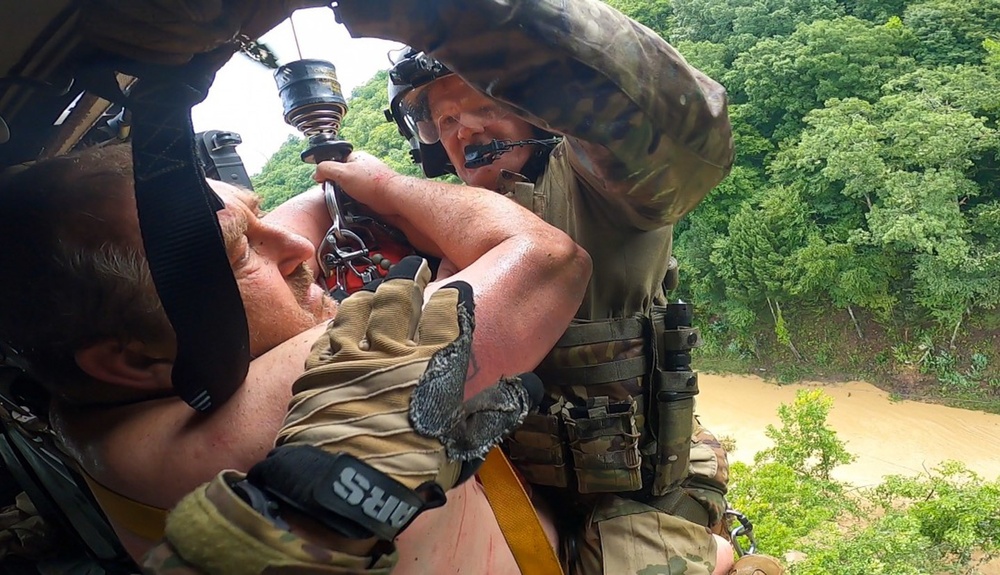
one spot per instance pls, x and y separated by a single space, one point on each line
341 492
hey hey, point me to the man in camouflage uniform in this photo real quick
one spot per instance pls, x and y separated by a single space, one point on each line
645 137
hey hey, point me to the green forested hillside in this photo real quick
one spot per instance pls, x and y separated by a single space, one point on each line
859 231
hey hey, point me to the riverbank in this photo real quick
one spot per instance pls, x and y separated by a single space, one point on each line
888 436
961 370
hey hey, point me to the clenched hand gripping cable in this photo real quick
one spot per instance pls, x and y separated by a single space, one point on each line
357 248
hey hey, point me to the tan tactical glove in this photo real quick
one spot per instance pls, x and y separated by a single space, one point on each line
376 430
173 31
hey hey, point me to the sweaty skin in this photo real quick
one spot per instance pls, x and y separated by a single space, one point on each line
158 450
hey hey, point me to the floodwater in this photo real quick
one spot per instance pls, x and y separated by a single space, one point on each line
888 437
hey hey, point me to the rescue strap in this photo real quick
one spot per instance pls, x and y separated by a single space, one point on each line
183 239
514 512
517 517
180 232
143 520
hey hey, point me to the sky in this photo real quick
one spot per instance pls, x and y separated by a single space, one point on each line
244 98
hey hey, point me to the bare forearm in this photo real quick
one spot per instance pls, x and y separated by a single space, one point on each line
304 214
526 295
464 222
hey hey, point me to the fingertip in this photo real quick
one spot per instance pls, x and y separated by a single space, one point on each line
372 286
533 385
408 268
466 295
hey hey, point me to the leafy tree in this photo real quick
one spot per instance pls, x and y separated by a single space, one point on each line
755 259
786 507
891 545
654 14
906 163
284 175
964 87
710 57
366 127
785 78
931 523
805 442
739 24
700 233
948 504
953 32
787 491
877 11
992 60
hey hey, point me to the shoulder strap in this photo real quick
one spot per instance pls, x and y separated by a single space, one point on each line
177 219
516 516
183 240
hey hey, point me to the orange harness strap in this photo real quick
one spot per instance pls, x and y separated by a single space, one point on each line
517 517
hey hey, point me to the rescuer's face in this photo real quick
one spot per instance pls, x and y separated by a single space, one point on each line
463 117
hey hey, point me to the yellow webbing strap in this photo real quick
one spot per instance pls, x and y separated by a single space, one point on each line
517 518
143 520
514 512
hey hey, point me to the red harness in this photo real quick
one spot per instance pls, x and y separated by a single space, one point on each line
376 248
357 249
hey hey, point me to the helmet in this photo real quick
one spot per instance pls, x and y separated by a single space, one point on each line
411 70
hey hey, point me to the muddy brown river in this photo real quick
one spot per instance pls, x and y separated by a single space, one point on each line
888 437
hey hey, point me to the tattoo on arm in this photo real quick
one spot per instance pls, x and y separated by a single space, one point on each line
473 365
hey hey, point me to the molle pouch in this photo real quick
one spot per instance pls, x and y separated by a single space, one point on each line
674 386
604 442
673 441
537 450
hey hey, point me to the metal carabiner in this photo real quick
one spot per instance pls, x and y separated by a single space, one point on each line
330 193
332 253
744 529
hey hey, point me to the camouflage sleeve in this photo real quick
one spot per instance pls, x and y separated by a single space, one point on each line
708 478
648 130
212 531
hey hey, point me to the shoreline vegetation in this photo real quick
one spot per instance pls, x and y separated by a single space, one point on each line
964 373
936 522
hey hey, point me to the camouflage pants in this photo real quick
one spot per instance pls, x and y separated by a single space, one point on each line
663 536
627 537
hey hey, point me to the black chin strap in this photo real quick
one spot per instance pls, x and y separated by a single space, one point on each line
181 235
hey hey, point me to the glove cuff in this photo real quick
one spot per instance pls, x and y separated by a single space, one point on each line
342 492
215 531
